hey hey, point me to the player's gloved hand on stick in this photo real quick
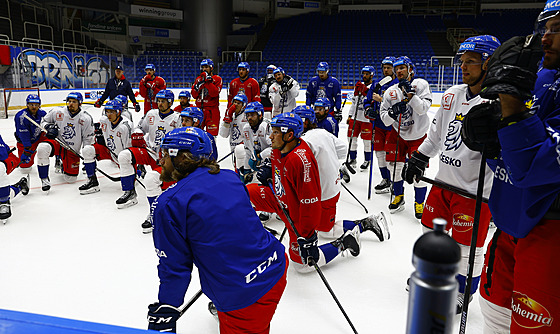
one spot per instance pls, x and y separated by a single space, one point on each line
264 174
371 113
26 155
162 317
397 109
338 115
414 167
406 86
480 128
138 139
308 249
361 88
141 171
97 103
512 68
52 131
137 107
254 163
245 175
209 78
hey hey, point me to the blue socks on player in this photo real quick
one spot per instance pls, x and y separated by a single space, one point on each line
398 188
367 156
43 171
4 194
353 155
330 251
349 225
420 194
385 174
90 168
127 182
463 283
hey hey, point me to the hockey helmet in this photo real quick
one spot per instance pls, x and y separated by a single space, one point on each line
288 121
244 65
122 99
185 93
306 113
390 60
188 138
76 96
278 70
323 66
207 62
404 60
255 107
33 98
369 69
193 112
485 45
270 68
166 94
241 98
150 67
114 105
323 102
551 9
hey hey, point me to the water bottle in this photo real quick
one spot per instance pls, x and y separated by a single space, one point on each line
433 288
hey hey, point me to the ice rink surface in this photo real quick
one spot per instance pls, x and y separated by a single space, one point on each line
78 256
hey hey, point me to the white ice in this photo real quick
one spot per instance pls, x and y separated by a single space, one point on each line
79 257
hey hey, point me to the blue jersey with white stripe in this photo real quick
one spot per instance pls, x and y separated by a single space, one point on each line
369 102
330 124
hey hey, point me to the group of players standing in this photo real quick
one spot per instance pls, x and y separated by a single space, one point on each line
295 158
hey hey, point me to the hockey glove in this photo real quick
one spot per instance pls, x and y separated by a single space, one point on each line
209 79
360 88
163 318
414 167
198 84
137 107
141 171
512 68
99 134
371 113
338 115
406 86
26 155
254 163
245 175
228 118
480 128
308 249
52 131
264 174
97 103
397 109
138 139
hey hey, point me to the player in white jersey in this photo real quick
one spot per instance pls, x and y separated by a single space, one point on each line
329 151
125 112
72 126
405 106
112 136
458 165
283 92
358 123
146 141
233 123
256 140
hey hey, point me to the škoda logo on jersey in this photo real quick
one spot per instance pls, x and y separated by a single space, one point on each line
462 222
528 313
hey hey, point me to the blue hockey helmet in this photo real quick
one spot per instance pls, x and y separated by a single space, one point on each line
323 66
150 67
185 93
244 65
255 107
485 45
369 69
323 102
288 121
551 9
270 68
113 105
404 60
166 94
305 112
76 96
241 98
390 60
193 112
207 62
122 99
279 70
189 138
33 98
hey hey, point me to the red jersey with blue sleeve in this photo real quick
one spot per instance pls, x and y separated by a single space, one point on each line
330 124
527 176
329 88
26 132
207 220
369 101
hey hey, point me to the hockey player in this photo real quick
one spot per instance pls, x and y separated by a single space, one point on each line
72 126
358 124
328 151
265 83
184 101
405 106
283 92
380 130
28 135
444 137
295 178
325 85
149 86
115 132
124 110
7 191
242 267
324 119
145 150
232 126
244 84
192 116
519 287
118 86
206 91
256 139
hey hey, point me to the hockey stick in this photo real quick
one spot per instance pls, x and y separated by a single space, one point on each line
370 167
348 190
92 103
396 155
230 153
346 163
451 188
474 238
67 147
184 309
314 263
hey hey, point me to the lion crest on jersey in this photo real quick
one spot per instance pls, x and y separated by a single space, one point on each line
235 133
264 88
69 131
111 143
321 92
160 133
453 137
278 188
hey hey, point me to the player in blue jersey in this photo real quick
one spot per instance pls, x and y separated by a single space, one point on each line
380 131
242 267
8 162
324 119
28 135
519 284
325 85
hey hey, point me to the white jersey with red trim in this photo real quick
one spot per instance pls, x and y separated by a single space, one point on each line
257 141
458 165
154 126
117 137
233 130
414 121
76 130
360 114
328 150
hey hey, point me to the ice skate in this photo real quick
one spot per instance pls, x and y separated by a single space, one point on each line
350 240
383 187
5 211
377 224
128 199
364 166
344 174
264 216
92 186
461 301
212 309
23 185
397 205
46 185
418 210
353 163
147 226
